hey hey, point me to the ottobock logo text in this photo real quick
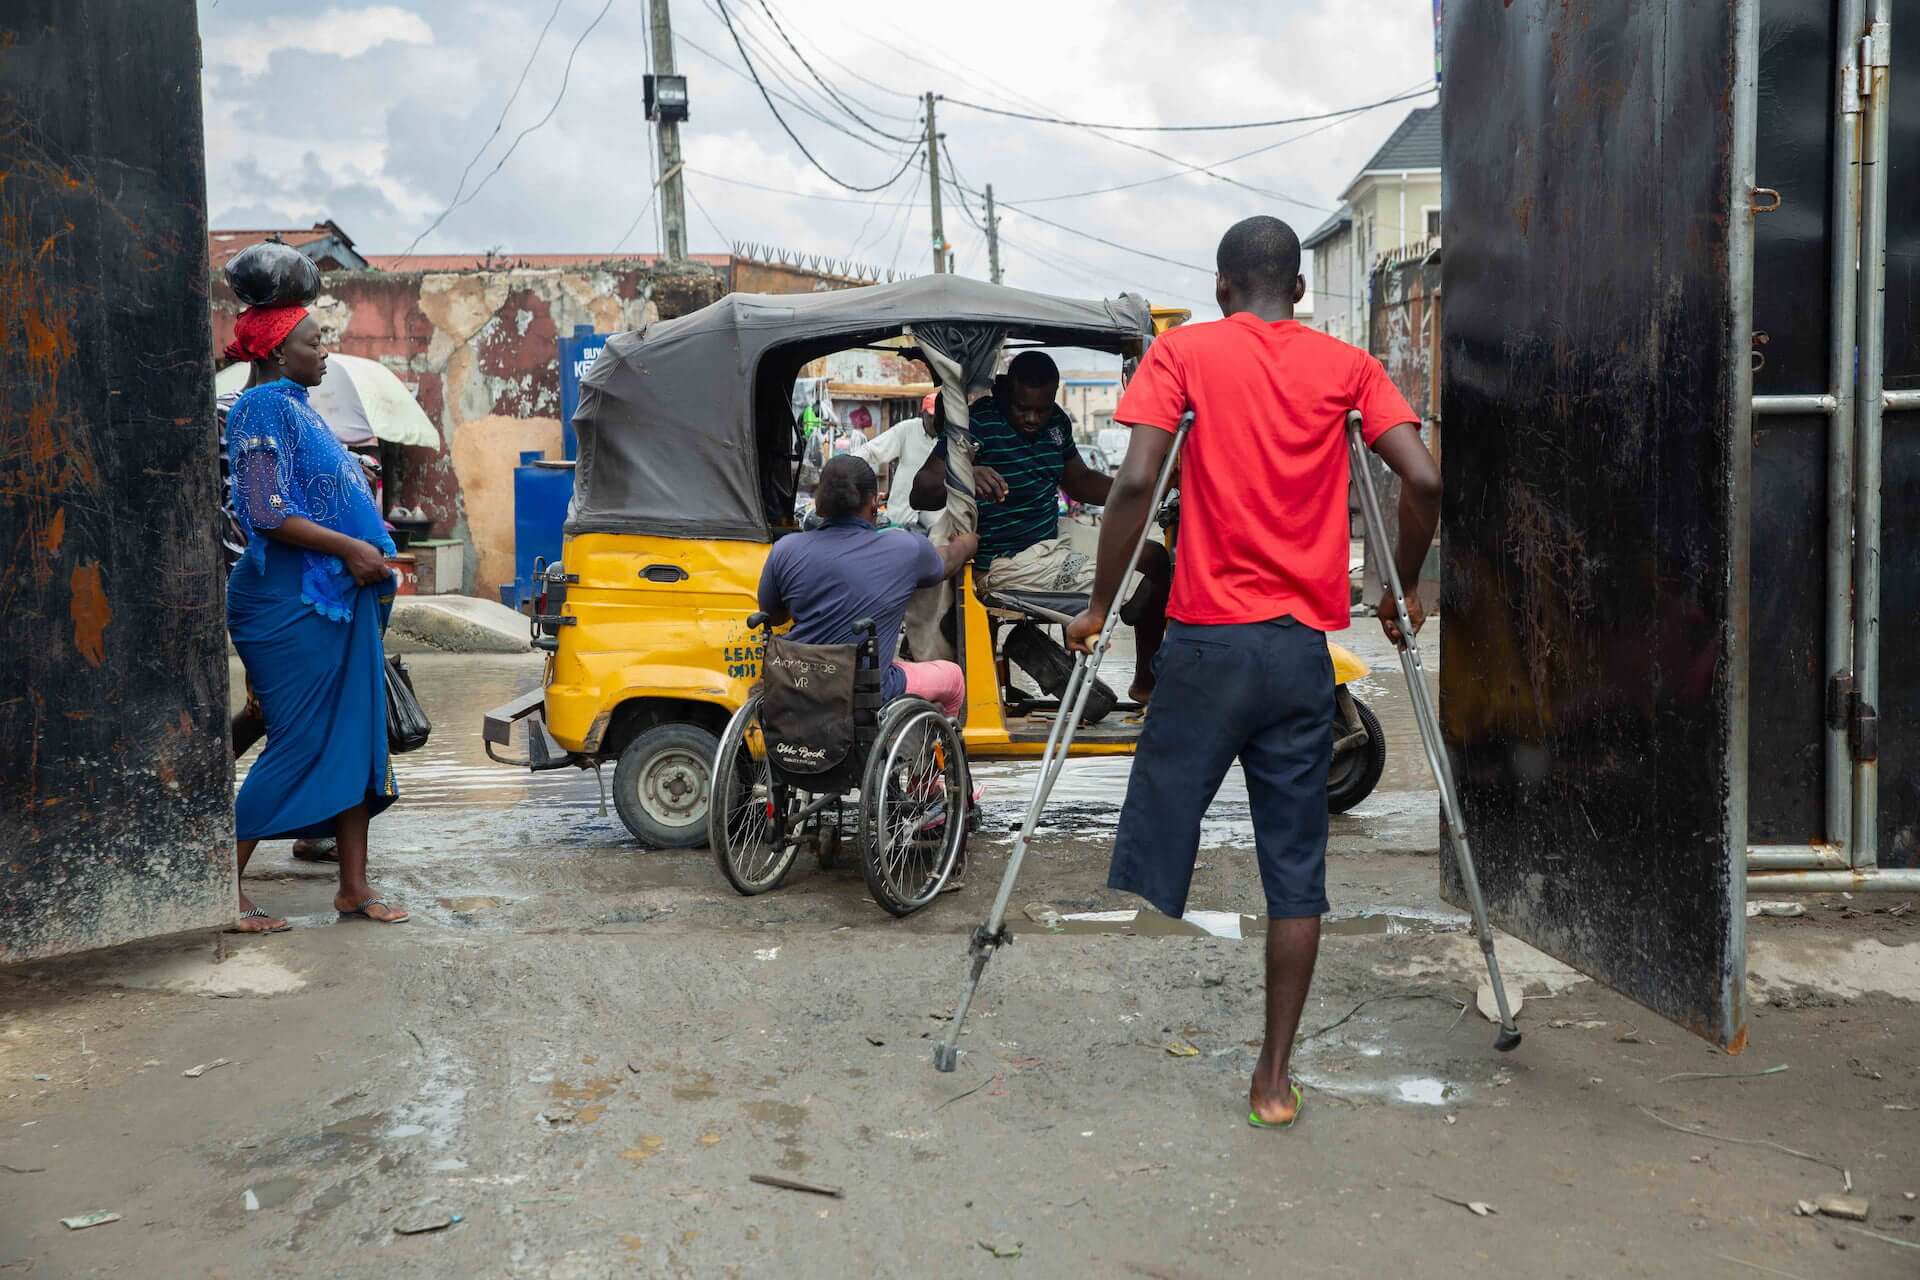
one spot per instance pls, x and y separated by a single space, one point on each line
796 752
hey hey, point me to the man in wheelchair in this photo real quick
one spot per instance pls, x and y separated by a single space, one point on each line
1023 457
827 578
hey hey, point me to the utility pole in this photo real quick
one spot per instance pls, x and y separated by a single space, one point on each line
673 200
993 239
933 182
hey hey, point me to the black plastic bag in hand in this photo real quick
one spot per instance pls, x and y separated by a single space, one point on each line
273 274
407 725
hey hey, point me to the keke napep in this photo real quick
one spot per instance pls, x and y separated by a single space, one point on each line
689 460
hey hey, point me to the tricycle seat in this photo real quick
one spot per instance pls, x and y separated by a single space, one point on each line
1046 606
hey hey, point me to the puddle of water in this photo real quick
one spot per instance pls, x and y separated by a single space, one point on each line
271 1193
1425 1091
453 769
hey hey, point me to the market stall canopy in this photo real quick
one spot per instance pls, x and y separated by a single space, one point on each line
670 441
361 400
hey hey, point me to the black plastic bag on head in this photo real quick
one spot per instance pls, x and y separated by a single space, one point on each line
272 274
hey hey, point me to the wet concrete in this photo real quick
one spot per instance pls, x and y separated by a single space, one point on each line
583 1049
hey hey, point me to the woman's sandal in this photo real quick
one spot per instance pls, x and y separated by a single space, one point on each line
1253 1117
361 911
259 913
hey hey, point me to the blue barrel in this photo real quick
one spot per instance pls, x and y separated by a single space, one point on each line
541 491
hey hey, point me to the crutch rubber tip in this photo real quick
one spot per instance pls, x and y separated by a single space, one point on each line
945 1057
1506 1042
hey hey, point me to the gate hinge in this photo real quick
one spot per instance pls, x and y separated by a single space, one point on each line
1839 699
1863 734
1879 46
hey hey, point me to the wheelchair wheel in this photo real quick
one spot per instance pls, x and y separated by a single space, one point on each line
747 825
913 806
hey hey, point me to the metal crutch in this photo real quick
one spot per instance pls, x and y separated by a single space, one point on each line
1073 703
1509 1035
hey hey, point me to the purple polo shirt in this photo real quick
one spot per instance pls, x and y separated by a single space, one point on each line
831 577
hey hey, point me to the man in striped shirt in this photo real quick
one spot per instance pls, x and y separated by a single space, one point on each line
1023 457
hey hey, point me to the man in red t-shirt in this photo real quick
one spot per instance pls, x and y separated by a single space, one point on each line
1260 574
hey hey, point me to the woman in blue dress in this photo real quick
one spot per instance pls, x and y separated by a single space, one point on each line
306 606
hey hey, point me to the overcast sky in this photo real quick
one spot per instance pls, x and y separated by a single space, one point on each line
368 113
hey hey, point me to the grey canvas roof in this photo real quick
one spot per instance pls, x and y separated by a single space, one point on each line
676 420
1414 145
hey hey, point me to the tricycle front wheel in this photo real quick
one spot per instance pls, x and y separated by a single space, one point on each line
663 784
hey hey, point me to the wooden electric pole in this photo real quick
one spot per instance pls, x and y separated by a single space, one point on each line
673 200
933 183
993 239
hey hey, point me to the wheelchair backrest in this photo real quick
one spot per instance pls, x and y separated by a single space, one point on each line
818 711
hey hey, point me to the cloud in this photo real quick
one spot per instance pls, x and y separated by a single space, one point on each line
346 33
392 125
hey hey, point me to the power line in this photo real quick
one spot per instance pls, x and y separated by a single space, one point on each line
566 77
1179 128
1186 169
856 74
1111 244
788 129
821 81
796 104
906 224
512 98
776 70
644 209
688 188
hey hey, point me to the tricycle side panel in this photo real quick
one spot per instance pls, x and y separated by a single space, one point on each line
655 617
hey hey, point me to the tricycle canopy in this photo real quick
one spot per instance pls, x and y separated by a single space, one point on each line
686 428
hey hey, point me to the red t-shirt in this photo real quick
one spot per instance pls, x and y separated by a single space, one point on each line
1263 475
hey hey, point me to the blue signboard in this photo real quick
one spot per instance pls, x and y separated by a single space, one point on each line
577 355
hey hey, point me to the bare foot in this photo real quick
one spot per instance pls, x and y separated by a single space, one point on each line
254 920
374 908
1273 1106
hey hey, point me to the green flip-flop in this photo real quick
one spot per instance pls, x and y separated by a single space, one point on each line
1299 1104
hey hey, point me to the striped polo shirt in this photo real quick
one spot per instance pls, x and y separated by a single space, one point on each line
1032 466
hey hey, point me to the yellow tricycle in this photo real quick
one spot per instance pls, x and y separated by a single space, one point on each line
689 463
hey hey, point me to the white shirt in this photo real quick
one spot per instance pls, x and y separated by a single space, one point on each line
906 445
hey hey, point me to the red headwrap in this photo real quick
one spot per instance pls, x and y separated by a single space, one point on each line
926 404
259 331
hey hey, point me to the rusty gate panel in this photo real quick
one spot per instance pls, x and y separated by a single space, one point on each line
1592 693
116 805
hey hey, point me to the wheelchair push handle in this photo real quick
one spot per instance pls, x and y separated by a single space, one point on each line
867 632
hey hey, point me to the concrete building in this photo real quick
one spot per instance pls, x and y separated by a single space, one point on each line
330 248
1393 203
473 336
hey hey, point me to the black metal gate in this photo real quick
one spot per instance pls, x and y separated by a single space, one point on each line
116 802
1594 588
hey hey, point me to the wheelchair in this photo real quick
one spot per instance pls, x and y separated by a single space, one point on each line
813 742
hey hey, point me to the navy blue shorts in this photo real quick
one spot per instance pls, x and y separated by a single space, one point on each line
1262 692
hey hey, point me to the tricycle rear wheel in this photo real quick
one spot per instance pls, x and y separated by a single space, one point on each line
663 783
1356 772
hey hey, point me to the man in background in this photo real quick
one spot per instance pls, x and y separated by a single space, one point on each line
905 446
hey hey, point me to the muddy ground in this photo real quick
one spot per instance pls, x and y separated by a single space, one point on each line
583 1050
